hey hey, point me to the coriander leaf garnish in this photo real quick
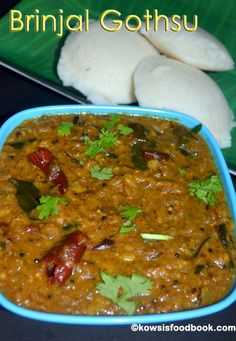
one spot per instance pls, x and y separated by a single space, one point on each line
105 141
155 236
205 189
130 213
101 174
107 138
49 206
65 128
127 227
113 119
124 130
182 171
111 287
93 149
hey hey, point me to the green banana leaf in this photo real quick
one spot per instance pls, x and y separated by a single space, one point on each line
36 53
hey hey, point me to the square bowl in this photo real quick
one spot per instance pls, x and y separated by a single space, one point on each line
187 121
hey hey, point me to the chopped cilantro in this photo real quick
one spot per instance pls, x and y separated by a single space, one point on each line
101 174
106 140
121 288
205 189
155 236
127 227
182 171
130 213
65 129
49 206
113 119
124 130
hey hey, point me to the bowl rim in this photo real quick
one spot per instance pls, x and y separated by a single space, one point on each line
186 120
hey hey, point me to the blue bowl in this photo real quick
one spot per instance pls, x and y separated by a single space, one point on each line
190 122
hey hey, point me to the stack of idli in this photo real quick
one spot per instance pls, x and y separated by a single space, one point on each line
197 48
123 67
184 89
101 64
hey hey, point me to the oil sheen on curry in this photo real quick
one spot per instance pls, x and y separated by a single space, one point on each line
112 215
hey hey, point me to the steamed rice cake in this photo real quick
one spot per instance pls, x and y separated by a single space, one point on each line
100 64
198 48
166 83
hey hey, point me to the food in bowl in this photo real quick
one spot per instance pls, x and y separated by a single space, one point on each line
124 67
112 215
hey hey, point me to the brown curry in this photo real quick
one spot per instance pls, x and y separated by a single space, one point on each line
112 215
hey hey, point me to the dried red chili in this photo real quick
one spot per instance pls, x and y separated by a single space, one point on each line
62 258
45 160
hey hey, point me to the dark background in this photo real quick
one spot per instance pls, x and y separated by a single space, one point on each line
18 93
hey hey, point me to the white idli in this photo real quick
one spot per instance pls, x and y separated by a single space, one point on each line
166 83
100 64
198 48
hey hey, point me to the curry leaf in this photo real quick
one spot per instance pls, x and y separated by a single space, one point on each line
27 194
20 144
137 153
196 129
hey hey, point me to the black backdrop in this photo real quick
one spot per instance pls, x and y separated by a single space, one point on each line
18 93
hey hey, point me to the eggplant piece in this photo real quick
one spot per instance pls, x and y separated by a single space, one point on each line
111 155
139 131
155 155
182 136
70 226
74 159
223 235
78 120
227 241
196 253
199 268
104 244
